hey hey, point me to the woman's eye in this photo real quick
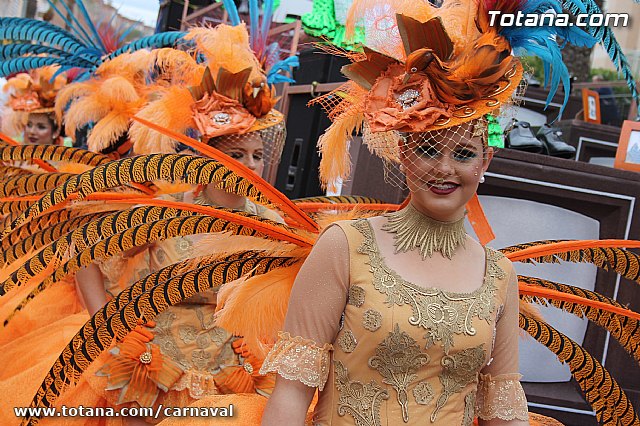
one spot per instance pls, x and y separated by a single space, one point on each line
235 155
257 157
464 154
428 151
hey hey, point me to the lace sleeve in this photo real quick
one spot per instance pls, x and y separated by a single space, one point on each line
501 397
297 358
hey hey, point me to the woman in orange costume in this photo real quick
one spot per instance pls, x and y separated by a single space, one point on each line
31 104
404 318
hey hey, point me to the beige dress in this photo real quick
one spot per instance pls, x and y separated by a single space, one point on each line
400 353
209 358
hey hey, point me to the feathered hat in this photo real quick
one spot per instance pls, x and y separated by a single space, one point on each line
33 92
426 68
231 96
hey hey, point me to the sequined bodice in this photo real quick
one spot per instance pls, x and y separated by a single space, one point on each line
407 354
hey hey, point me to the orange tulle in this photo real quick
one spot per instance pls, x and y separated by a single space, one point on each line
139 369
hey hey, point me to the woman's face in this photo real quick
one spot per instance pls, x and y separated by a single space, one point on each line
443 169
39 130
247 149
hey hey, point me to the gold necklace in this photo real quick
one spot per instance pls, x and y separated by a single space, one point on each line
413 229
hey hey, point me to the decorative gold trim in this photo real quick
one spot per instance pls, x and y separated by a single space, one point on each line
423 393
469 408
441 313
458 371
397 359
467 111
360 400
442 121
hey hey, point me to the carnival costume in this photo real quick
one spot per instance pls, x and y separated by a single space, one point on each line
254 275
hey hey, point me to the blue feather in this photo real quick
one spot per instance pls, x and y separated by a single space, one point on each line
11 51
59 37
232 11
20 27
274 76
126 32
605 36
254 19
542 41
15 65
267 14
81 33
154 41
93 29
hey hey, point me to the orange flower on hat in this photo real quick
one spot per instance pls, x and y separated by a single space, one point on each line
411 106
218 115
28 102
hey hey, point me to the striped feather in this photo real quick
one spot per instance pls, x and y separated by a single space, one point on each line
14 206
12 171
86 236
42 34
11 51
27 63
186 168
30 228
626 330
149 304
23 185
44 237
25 23
52 153
339 199
604 254
601 391
155 41
57 372
7 141
519 247
275 196
134 236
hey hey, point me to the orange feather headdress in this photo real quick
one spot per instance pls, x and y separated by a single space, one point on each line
33 92
426 68
229 95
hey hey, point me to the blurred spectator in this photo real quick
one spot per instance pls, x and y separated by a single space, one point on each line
609 113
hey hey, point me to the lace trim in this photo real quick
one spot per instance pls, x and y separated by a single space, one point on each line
297 358
501 397
198 384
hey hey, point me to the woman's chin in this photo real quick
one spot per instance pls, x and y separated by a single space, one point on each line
445 209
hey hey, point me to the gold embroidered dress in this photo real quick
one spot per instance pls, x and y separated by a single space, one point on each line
204 359
400 353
